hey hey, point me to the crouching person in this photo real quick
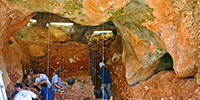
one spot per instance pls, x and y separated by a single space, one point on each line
40 79
46 93
56 84
24 94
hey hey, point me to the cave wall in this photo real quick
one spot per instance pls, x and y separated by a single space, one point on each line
47 56
12 58
12 20
140 51
170 26
176 23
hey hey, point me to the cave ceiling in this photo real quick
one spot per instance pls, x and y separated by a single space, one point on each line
89 12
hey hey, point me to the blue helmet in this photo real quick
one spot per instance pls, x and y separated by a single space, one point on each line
101 64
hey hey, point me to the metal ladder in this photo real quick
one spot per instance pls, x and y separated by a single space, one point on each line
3 95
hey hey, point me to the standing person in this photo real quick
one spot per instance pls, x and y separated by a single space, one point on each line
56 84
106 81
23 94
30 77
40 79
46 93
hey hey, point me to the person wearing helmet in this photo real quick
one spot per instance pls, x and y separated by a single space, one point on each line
106 81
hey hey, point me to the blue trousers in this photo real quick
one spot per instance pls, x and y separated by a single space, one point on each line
108 89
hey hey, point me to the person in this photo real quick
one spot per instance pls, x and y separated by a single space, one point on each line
30 77
106 81
46 92
40 79
24 94
56 84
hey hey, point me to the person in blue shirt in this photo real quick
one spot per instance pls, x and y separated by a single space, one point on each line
46 92
106 81
56 84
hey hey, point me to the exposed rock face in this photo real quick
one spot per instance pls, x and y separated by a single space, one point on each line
166 28
71 56
25 56
11 20
12 58
176 24
141 50
85 12
119 82
36 50
162 86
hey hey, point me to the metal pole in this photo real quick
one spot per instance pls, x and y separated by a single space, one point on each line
2 88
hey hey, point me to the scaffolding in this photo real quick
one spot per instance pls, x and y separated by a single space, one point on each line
3 95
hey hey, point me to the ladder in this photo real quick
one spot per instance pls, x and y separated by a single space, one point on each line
3 95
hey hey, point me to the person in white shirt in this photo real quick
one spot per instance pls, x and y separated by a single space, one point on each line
40 79
24 94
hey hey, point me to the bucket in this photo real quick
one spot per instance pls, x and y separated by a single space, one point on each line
97 94
70 81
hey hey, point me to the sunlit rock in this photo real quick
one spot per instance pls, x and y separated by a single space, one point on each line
175 24
141 49
36 50
12 58
25 57
164 85
11 20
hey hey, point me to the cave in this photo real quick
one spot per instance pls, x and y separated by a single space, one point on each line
151 48
165 63
75 48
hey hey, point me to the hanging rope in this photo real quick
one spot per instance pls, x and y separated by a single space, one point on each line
48 50
48 47
103 43
103 51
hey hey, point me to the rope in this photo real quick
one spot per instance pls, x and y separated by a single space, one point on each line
48 51
103 54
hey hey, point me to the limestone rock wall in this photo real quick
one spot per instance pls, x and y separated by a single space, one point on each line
119 82
85 12
176 24
25 60
12 58
172 28
12 19
164 86
71 56
141 49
